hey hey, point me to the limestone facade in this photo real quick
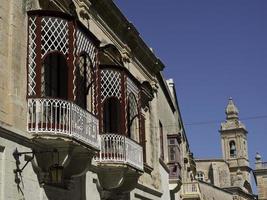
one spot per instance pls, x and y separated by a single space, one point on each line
85 112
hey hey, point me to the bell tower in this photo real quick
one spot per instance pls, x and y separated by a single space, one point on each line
235 148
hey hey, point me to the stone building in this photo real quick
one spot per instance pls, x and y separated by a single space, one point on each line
260 174
85 112
229 175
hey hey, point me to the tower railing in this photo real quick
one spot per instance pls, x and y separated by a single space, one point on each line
264 165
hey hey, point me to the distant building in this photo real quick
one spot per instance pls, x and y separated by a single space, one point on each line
260 174
229 176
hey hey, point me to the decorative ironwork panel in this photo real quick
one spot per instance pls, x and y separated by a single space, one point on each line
84 81
134 153
84 44
84 126
132 88
110 84
32 56
62 118
55 35
133 108
120 149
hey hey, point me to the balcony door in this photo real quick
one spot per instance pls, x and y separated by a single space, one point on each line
133 118
55 76
111 115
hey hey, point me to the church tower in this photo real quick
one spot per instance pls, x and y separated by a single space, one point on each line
235 148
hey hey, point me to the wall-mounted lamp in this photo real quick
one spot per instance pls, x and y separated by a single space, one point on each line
28 158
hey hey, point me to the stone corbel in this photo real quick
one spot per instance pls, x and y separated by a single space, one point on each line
155 87
83 9
84 14
126 59
126 55
32 5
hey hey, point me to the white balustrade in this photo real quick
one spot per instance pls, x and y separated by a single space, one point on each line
60 117
264 165
120 149
191 188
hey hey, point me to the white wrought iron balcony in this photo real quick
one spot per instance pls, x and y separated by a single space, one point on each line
56 117
191 190
120 149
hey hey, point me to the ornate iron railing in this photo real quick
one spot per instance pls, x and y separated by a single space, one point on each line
59 117
120 149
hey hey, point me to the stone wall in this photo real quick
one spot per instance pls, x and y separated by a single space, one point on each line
209 192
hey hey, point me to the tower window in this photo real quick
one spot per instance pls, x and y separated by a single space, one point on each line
232 149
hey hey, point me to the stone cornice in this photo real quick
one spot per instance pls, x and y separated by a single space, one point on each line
166 92
147 189
240 192
260 171
127 34
17 136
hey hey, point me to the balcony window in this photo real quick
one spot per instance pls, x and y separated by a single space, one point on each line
55 76
84 82
174 157
111 115
173 150
61 56
132 118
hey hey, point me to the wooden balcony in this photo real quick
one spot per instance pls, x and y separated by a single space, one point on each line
48 118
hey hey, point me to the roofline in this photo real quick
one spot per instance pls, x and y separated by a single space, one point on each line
215 186
128 34
211 160
167 92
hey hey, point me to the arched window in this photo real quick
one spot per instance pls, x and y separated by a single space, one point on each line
55 76
84 83
111 115
232 149
200 176
132 118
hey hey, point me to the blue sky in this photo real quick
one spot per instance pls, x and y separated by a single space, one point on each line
213 49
